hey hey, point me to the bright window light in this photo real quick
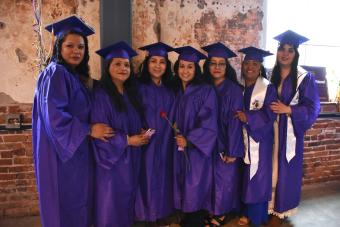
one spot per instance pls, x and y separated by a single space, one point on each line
316 20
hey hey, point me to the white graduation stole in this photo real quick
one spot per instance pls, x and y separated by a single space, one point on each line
291 139
251 147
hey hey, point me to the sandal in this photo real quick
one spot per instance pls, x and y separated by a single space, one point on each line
242 221
217 220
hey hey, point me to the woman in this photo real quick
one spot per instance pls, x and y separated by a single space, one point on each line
61 129
297 107
118 159
195 116
258 121
229 147
154 198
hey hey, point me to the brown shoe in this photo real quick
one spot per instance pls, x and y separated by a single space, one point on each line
275 221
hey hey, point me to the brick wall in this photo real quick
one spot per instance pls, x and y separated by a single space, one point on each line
18 196
322 152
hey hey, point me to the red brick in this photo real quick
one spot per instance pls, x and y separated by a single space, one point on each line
19 152
7 176
313 132
22 160
5 162
10 146
13 109
6 154
17 212
4 169
3 109
333 146
15 138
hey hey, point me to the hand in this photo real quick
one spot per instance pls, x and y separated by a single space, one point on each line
137 140
229 159
241 116
181 141
280 108
101 131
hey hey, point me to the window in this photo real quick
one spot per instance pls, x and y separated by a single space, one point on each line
318 21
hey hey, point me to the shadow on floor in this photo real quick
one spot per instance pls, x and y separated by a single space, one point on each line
319 208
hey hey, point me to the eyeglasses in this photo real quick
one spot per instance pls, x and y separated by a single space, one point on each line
217 65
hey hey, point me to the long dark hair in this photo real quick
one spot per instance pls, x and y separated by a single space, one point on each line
83 69
230 72
129 88
276 74
145 77
176 82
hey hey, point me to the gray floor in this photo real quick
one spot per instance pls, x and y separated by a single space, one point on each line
320 207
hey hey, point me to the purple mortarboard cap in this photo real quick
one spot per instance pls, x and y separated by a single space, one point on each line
219 50
72 23
253 53
188 53
158 49
117 50
292 38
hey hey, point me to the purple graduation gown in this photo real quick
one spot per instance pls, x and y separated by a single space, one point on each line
155 193
260 128
226 182
304 114
117 165
196 118
62 153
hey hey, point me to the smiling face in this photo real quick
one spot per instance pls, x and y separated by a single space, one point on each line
73 49
186 71
251 69
119 69
156 67
285 55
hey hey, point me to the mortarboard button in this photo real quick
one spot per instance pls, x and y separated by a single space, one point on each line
292 38
253 53
72 23
219 50
188 53
117 50
157 49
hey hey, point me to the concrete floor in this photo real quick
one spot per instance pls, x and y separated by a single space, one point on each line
320 207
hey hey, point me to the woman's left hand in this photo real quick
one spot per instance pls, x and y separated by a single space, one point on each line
280 108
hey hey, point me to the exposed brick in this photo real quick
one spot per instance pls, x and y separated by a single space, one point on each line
5 162
15 138
22 160
7 176
3 109
6 154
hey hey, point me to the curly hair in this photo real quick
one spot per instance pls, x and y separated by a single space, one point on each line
276 74
83 68
145 77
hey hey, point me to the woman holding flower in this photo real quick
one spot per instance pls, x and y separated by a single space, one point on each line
195 113
258 121
154 198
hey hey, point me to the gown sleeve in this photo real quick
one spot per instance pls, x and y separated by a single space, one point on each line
203 135
107 153
260 121
65 130
233 126
304 113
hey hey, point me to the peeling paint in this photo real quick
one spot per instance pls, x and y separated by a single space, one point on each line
22 57
2 25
